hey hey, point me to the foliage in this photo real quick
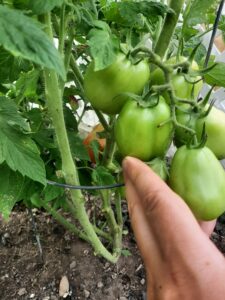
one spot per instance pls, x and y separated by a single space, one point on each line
45 47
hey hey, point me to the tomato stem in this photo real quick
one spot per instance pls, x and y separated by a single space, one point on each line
168 27
62 30
70 173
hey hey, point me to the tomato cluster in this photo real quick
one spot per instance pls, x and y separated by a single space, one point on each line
146 131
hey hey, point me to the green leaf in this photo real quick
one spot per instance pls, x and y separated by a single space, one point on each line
70 120
126 252
10 116
26 85
159 167
216 75
10 66
78 149
101 176
103 46
16 148
128 13
23 37
52 192
198 11
43 6
11 184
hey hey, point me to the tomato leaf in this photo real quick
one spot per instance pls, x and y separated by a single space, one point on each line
23 37
216 75
79 151
43 6
26 85
198 11
52 192
101 176
128 13
11 66
11 184
103 45
16 147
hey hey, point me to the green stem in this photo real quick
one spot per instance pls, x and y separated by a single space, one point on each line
109 151
76 70
118 208
68 51
103 234
65 223
114 227
102 120
168 27
54 102
62 30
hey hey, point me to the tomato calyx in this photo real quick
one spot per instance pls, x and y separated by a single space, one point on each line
194 143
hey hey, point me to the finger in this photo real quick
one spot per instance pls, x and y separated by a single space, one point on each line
165 211
142 231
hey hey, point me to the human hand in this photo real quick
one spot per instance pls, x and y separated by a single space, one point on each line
180 260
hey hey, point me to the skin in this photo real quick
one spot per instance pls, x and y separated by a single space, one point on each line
180 260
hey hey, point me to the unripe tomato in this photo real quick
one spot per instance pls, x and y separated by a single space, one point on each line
182 88
137 131
198 177
104 88
214 129
93 136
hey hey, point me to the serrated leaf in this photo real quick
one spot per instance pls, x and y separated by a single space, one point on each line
197 13
9 114
10 66
101 176
23 37
150 9
216 75
16 148
11 184
103 47
43 6
128 13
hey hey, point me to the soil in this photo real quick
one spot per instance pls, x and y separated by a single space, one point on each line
23 275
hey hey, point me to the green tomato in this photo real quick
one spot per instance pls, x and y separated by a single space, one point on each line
104 88
182 88
198 177
137 131
214 128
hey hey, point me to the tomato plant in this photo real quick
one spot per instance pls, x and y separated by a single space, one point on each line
67 62
198 177
105 88
138 130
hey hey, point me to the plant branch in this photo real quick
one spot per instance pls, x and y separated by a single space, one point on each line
168 27
70 173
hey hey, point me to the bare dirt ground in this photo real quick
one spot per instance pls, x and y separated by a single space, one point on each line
24 276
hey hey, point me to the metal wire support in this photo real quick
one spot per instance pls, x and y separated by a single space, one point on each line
85 187
215 27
